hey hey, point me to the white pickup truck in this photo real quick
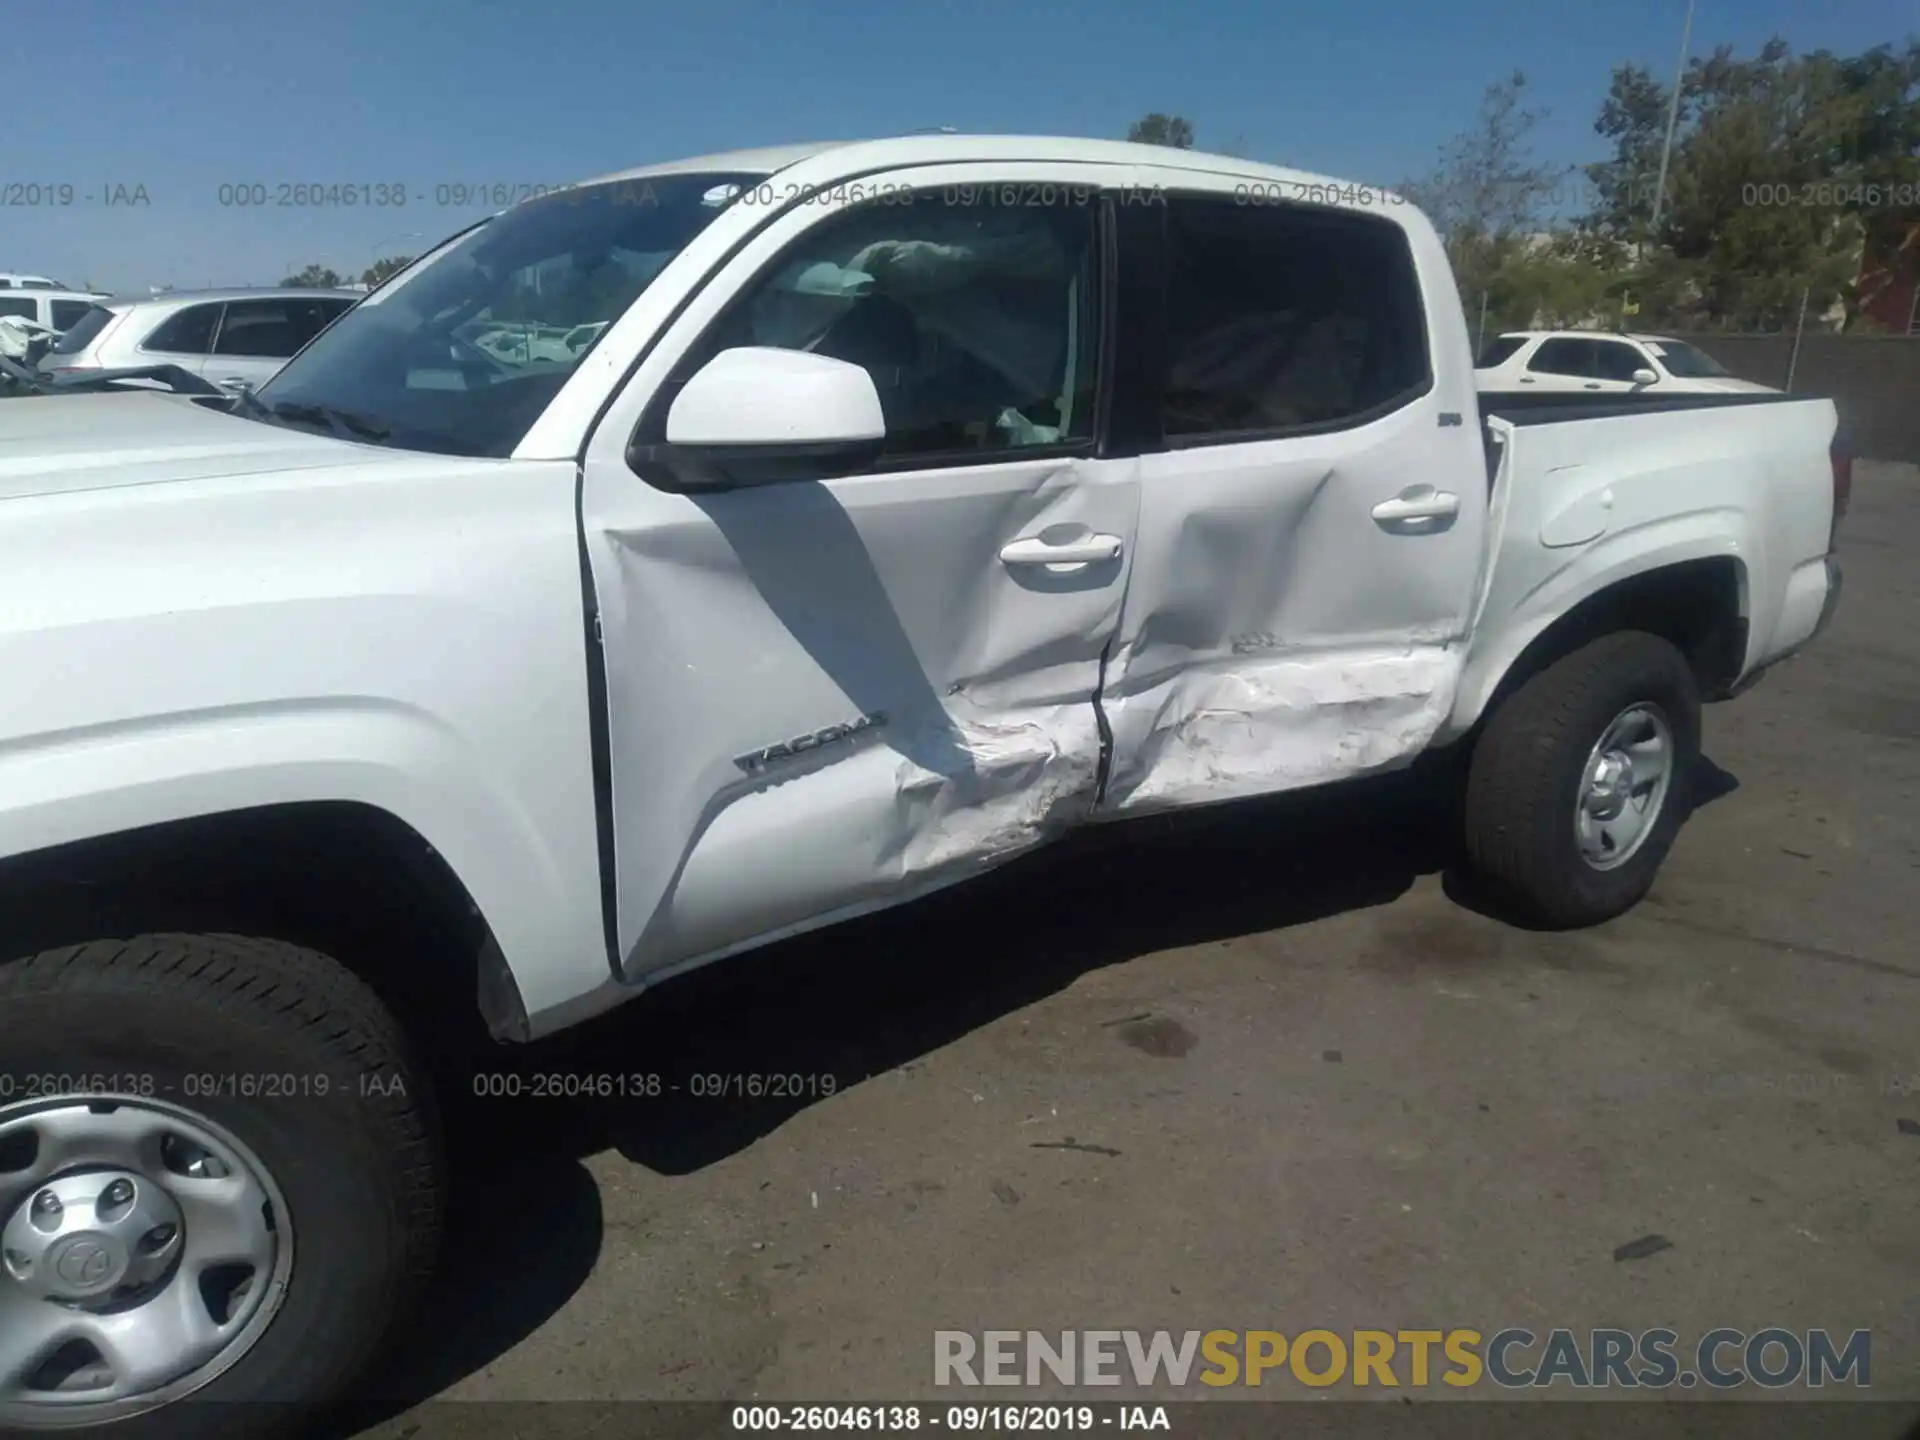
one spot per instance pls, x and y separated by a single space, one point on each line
908 505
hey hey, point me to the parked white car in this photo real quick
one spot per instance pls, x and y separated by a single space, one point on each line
233 338
920 502
1604 362
13 280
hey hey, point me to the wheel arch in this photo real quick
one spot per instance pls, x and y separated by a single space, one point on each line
346 878
1700 604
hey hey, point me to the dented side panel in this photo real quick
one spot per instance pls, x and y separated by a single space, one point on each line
826 697
1275 635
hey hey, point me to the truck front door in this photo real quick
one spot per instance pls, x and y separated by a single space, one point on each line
829 692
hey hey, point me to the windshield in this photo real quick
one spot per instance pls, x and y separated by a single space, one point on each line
462 353
1687 362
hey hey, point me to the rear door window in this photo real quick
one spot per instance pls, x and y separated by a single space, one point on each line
190 332
25 306
1286 319
1564 357
274 329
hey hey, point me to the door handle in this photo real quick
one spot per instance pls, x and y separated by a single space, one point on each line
1593 384
1416 508
234 382
1526 380
1088 551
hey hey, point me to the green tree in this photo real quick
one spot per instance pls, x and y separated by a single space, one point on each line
1175 131
317 277
1561 281
384 269
1490 200
1784 182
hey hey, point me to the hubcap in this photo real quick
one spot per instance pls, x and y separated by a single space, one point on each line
143 1250
1624 786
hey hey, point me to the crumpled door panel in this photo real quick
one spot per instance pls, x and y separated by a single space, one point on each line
824 697
1281 630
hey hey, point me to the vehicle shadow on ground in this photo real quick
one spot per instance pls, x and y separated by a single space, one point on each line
863 998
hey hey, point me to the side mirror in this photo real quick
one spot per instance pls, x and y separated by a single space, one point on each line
756 415
1644 376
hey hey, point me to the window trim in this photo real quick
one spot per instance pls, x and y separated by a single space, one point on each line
653 458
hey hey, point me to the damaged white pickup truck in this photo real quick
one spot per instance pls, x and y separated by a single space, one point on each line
881 512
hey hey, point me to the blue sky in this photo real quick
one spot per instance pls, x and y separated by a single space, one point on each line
181 98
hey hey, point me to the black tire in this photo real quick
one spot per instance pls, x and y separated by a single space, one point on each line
359 1165
1524 780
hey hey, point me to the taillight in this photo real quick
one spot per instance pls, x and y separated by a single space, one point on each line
1842 459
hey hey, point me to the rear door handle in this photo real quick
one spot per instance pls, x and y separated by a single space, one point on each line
1417 510
1088 551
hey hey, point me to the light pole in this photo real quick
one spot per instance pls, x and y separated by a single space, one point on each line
1673 120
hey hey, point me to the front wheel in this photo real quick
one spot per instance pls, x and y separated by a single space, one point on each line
1581 781
219 1186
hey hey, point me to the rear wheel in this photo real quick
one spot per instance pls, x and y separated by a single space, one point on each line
1580 782
219 1182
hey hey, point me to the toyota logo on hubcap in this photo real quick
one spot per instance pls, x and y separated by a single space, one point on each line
87 1262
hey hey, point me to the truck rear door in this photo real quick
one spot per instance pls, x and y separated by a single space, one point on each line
1313 511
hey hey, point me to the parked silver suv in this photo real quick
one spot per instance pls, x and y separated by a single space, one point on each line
235 338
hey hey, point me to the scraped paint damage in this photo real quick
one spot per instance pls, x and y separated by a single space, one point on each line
1029 781
1241 727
